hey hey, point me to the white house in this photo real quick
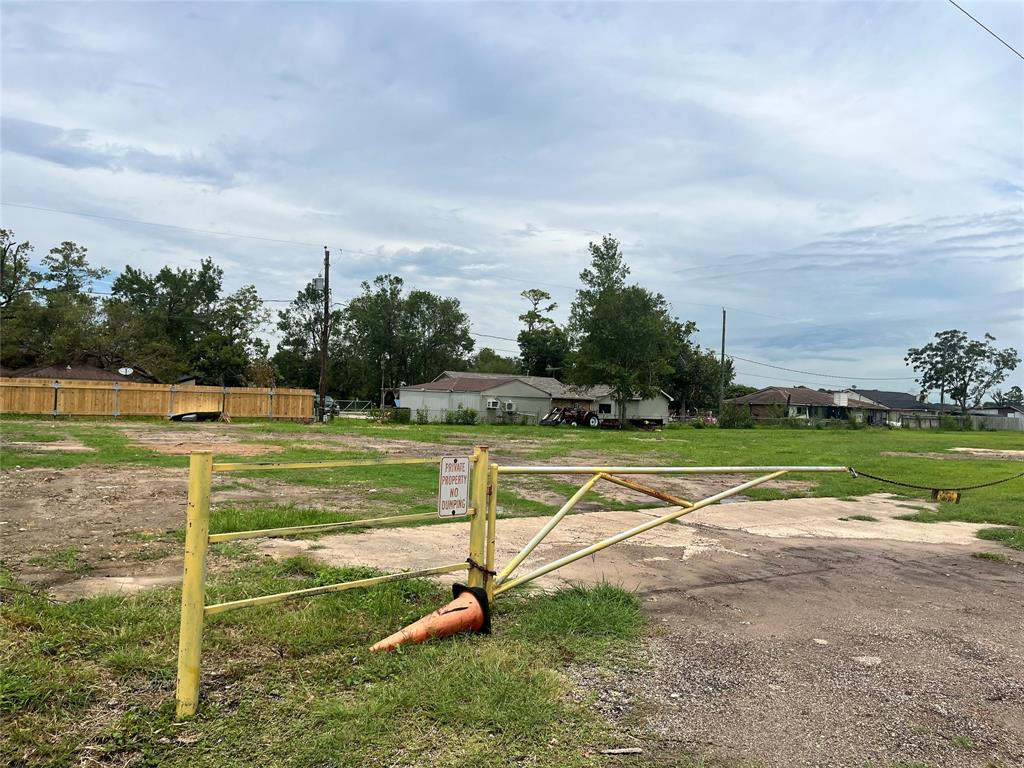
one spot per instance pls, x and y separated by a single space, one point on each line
499 397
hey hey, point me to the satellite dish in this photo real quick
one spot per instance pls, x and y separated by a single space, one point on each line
126 371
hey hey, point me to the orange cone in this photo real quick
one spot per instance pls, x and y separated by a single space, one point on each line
468 612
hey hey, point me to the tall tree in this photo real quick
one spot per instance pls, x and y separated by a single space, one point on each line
626 337
17 278
543 346
301 326
1013 396
696 373
489 361
409 337
966 368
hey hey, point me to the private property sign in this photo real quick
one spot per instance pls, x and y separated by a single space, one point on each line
453 487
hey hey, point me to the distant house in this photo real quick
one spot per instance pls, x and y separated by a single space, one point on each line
497 396
992 409
494 398
812 404
80 372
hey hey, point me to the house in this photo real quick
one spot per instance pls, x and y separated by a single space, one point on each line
1006 410
80 372
811 404
500 397
495 398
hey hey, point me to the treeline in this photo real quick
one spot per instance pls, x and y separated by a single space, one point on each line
178 322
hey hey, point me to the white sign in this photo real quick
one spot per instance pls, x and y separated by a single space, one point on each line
453 487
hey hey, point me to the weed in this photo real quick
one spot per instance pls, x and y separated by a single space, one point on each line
69 560
997 557
862 518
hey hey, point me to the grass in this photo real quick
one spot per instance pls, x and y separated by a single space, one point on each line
295 684
69 560
862 518
997 557
1011 537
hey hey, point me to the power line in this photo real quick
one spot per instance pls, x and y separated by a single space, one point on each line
824 375
197 230
997 37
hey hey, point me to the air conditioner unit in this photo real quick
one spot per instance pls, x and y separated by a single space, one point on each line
510 407
492 405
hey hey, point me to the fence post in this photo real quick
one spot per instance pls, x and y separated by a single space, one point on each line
193 583
478 523
492 524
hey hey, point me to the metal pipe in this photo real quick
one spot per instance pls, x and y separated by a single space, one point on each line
492 525
647 489
263 465
216 608
574 470
633 532
216 538
543 532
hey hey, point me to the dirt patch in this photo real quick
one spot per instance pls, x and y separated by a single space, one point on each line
178 444
66 445
961 454
1002 454
105 527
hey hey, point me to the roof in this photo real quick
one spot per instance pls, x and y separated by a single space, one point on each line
902 401
59 371
548 384
464 383
803 396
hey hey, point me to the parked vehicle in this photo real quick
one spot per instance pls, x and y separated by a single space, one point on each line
574 417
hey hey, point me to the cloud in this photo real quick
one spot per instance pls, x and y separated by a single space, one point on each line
838 197
79 149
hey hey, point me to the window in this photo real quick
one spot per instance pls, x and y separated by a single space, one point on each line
604 408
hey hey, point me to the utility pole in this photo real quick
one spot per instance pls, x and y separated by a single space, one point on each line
325 333
721 371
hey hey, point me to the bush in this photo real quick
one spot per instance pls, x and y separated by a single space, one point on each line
460 416
950 423
392 415
852 422
736 417
422 415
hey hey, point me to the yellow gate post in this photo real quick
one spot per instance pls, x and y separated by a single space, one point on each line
193 582
477 577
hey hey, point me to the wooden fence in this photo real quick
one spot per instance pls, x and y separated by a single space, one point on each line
72 397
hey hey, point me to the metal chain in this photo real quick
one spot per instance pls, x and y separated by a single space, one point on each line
857 473
474 564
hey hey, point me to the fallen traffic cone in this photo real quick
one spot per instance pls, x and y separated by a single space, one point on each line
468 612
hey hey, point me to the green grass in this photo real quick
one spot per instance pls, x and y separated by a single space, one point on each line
1011 537
411 489
862 518
294 684
69 560
997 557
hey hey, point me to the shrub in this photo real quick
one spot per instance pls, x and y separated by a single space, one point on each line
392 415
460 416
736 417
422 415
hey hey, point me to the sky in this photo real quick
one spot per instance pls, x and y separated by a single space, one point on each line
846 178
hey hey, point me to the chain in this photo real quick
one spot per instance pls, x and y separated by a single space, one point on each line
856 473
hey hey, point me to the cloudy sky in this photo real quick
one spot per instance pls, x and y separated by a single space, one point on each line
846 178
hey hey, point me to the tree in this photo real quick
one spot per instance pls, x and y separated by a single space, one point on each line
408 337
67 267
626 336
489 361
301 326
1012 397
733 391
965 368
696 376
543 346
17 278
